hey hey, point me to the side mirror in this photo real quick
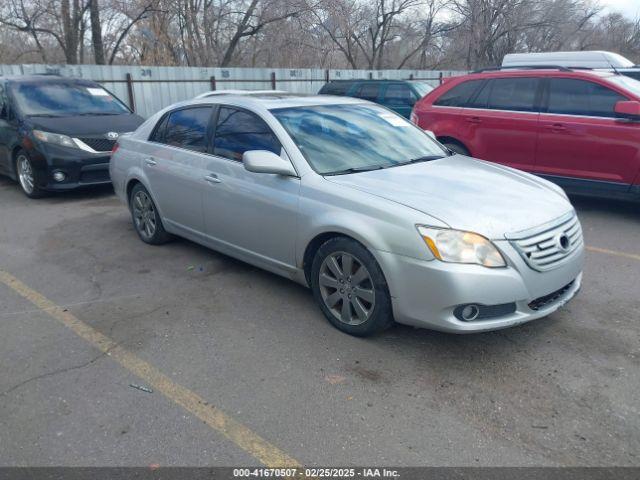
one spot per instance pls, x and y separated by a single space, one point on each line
263 161
628 109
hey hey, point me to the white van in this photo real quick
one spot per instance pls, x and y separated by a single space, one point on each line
584 59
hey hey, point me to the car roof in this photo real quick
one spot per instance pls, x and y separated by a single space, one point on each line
213 93
538 72
589 59
271 101
373 80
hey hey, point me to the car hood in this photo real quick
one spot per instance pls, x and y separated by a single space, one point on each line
466 194
87 125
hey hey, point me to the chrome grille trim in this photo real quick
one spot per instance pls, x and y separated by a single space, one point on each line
540 248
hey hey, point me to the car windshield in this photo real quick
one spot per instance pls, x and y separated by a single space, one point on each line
628 83
338 139
66 99
422 88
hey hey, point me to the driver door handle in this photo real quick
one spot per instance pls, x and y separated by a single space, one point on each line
212 178
556 127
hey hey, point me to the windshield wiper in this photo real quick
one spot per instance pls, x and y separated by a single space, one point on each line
424 158
96 114
46 115
354 170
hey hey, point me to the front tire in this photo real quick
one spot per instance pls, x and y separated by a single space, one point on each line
350 288
145 217
27 177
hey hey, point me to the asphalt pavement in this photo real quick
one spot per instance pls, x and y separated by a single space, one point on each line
244 369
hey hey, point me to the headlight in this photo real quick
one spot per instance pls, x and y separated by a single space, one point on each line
456 246
55 138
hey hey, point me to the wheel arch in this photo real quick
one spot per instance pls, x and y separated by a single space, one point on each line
312 246
14 157
447 139
132 182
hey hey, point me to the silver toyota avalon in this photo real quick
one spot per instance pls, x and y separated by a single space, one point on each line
350 199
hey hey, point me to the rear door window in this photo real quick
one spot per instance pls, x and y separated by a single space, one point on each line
458 95
238 131
368 91
579 97
399 94
517 94
187 128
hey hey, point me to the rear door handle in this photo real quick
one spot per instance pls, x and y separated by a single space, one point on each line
473 120
150 161
212 178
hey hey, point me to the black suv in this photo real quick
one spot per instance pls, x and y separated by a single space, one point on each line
57 133
397 95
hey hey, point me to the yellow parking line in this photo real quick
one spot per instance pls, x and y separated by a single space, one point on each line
239 434
632 256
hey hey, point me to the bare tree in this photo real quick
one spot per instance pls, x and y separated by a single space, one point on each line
96 32
453 34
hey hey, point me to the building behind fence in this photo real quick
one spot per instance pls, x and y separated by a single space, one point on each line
149 89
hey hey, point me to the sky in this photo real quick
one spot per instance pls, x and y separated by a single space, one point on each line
629 8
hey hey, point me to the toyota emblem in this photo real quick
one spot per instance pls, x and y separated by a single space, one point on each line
112 135
563 242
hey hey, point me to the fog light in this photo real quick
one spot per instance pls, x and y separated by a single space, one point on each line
469 313
59 176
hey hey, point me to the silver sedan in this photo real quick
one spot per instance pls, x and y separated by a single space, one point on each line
344 196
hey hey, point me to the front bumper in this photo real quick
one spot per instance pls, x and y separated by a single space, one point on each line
79 167
426 293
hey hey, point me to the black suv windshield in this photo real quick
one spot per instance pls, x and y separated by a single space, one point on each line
66 99
351 138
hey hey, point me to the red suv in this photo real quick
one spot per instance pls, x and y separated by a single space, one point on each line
578 128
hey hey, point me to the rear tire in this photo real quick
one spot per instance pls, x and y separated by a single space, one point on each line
27 176
145 217
350 288
457 148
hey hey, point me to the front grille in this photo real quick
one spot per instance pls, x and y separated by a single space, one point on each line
541 302
549 246
98 144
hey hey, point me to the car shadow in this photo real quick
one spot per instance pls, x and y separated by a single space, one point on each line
619 208
90 192
471 346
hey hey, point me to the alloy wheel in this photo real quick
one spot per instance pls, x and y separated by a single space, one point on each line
25 174
346 288
144 214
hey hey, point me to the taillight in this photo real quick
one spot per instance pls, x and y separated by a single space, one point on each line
115 148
